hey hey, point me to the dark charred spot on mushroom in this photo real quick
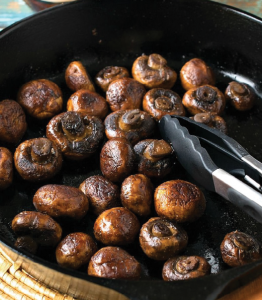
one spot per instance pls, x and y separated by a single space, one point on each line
72 124
156 61
41 150
131 119
157 149
187 264
26 243
206 94
160 229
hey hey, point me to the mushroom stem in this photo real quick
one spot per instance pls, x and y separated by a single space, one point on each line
111 72
163 103
130 120
160 229
156 61
157 150
187 264
41 150
72 125
243 242
204 118
238 89
206 94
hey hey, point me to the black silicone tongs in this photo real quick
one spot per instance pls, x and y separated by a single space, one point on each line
216 161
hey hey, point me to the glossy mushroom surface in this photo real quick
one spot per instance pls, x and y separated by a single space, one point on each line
211 120
6 168
26 243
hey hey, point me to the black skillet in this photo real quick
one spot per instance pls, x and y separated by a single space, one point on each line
101 33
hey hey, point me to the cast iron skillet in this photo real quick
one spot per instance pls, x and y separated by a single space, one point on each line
101 33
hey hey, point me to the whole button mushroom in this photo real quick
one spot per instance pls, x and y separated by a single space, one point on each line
26 243
38 159
125 93
6 168
185 267
239 248
114 263
116 226
41 98
77 135
132 124
12 122
179 201
196 73
161 102
75 250
161 239
152 71
211 120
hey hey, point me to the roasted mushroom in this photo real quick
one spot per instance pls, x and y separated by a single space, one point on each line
240 96
212 120
137 194
26 243
239 248
41 98
152 71
117 159
102 194
155 158
6 168
179 201
77 135
87 102
37 159
203 99
41 227
185 267
116 226
108 75
114 263
125 93
196 73
132 124
161 239
77 78
75 250
161 102
12 122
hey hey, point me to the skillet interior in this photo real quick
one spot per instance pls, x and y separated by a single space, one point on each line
101 33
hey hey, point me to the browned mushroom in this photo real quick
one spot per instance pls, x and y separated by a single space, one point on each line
155 158
239 248
161 239
42 228
102 194
185 267
161 102
196 73
137 194
117 159
212 120
75 250
12 122
132 124
37 159
108 75
125 93
77 78
114 263
42 99
87 102
203 99
116 226
152 71
26 243
240 95
6 168
77 135
61 201
179 201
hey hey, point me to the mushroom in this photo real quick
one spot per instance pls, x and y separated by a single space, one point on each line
152 71
240 96
116 226
75 250
102 194
203 99
89 103
161 102
61 201
12 122
185 267
108 75
41 227
161 239
114 263
125 93
212 120
132 124
196 73
239 248
37 159
155 158
77 135
77 78
26 243
41 98
179 201
6 168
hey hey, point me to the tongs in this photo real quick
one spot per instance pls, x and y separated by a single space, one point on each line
216 161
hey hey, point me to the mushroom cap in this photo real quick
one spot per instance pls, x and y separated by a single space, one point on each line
6 168
212 120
